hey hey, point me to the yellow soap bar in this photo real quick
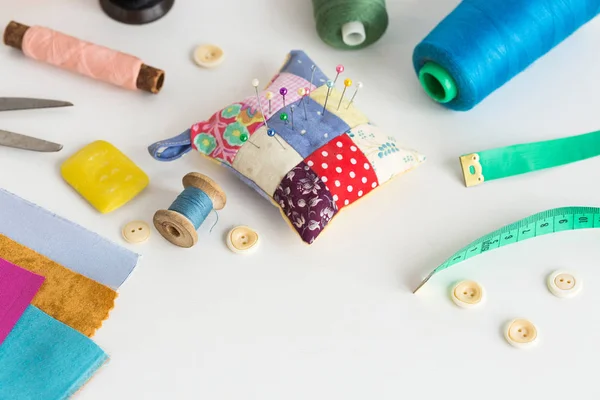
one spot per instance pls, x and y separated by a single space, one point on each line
104 176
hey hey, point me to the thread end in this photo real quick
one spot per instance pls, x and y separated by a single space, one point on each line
438 83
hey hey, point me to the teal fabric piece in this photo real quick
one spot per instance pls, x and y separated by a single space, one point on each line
44 359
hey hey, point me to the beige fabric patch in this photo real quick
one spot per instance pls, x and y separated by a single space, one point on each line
383 152
351 116
266 163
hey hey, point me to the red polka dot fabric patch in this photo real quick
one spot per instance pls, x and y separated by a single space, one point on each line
344 169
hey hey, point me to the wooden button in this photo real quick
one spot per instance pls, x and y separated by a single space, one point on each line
564 284
467 294
208 56
136 232
521 333
242 240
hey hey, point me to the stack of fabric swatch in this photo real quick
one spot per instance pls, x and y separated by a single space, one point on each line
58 283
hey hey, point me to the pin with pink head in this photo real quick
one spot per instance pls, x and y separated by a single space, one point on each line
339 69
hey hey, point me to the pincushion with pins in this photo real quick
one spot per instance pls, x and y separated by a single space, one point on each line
307 148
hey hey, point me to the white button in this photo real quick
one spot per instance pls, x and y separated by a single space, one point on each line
521 333
136 232
564 284
242 240
208 56
467 294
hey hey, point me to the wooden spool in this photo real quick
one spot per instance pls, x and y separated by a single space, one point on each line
177 228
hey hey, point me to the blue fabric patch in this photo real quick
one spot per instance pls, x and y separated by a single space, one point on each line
65 242
43 358
308 135
300 64
247 181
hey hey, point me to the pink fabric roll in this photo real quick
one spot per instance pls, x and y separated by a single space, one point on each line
86 58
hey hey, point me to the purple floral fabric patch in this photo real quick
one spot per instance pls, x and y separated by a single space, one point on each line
306 201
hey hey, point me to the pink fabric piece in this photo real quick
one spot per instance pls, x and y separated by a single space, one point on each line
17 288
289 81
85 58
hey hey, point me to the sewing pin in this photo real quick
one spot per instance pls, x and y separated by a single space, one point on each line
312 75
339 69
301 93
271 133
284 117
329 87
255 83
283 92
347 82
269 96
306 94
359 85
244 139
292 112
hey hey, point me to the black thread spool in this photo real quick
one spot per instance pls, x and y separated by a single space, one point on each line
136 12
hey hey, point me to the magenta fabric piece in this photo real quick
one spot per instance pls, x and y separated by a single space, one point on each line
17 288
306 201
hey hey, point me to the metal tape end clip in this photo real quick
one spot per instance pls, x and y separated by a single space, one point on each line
471 169
423 283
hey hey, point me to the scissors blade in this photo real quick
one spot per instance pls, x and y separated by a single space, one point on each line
18 141
24 103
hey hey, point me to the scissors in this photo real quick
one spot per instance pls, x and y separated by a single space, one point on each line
18 141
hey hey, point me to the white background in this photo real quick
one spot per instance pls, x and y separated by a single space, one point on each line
335 320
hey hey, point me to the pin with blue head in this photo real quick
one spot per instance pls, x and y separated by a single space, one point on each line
271 133
330 85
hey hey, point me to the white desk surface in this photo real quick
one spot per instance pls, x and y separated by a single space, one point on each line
336 320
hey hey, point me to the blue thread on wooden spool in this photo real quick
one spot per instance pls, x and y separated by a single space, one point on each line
187 213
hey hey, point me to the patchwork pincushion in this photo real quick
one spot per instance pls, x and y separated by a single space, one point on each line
312 170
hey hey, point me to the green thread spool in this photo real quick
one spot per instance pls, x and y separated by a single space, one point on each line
350 24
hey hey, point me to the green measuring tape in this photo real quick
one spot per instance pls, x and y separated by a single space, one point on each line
519 159
551 221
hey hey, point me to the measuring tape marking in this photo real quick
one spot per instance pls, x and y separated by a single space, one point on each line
544 223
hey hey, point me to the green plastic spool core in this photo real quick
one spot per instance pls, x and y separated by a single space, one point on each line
438 83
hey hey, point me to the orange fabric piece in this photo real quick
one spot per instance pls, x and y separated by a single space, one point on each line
85 58
67 296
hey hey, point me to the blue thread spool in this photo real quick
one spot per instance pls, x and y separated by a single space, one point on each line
180 222
483 44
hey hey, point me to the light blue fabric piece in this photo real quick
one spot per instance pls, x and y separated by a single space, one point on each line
65 242
44 359
173 148
300 64
318 130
